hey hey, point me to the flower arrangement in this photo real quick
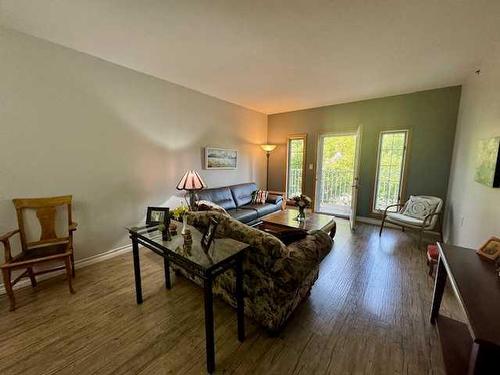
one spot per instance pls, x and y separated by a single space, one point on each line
302 202
179 212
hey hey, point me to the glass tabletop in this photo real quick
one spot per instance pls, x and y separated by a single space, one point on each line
220 250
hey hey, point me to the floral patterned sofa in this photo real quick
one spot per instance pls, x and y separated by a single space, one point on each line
276 277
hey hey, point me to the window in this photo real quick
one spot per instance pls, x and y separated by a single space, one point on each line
295 165
390 168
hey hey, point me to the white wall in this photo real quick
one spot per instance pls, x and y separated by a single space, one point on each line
479 118
116 139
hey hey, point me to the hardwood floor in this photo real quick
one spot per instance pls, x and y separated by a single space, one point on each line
367 314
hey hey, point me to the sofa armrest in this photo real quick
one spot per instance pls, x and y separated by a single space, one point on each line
274 198
304 255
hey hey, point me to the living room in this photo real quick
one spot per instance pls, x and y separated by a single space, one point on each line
168 149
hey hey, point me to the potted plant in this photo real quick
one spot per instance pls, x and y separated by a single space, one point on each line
302 202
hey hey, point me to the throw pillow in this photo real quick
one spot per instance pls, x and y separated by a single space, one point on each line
263 196
419 207
210 206
260 197
254 196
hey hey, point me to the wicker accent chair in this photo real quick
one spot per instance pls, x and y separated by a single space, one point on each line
49 248
430 222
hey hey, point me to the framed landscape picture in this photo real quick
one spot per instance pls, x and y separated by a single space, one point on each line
220 158
488 162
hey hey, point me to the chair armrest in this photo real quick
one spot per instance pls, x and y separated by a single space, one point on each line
392 205
428 218
6 236
73 226
6 244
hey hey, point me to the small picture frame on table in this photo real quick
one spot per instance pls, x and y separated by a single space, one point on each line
491 249
209 234
157 215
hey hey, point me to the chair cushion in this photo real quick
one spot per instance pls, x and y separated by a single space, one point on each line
243 193
243 215
220 196
420 207
262 209
403 219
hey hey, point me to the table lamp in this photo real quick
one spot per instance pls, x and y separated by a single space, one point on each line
191 182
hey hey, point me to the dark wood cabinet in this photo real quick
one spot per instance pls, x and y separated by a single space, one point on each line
472 347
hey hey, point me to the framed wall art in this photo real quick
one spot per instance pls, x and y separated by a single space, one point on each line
220 158
491 249
488 162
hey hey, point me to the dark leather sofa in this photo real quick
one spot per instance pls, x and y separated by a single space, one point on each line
237 201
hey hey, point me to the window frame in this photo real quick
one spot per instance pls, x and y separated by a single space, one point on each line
290 138
404 168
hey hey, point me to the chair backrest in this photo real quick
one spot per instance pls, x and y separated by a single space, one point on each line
45 209
439 207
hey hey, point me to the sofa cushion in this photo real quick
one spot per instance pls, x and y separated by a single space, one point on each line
210 206
243 215
243 193
291 235
262 209
220 196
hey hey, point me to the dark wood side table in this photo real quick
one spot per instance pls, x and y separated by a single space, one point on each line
224 253
472 347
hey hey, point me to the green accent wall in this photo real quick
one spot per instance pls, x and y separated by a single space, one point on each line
431 117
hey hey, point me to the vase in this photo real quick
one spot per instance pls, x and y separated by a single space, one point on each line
302 214
184 224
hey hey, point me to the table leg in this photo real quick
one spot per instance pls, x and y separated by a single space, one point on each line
209 325
166 269
239 299
439 285
137 270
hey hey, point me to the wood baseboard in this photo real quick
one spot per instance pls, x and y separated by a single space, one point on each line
80 263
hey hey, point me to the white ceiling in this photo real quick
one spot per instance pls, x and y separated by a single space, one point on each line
275 56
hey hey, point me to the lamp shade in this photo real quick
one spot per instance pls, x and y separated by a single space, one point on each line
268 148
191 181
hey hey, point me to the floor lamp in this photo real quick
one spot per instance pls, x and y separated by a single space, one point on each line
267 148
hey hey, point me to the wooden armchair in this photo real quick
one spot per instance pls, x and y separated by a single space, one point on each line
49 248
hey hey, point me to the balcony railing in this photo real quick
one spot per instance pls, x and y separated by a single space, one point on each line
294 182
336 187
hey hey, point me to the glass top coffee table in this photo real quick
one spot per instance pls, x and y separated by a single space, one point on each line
223 254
